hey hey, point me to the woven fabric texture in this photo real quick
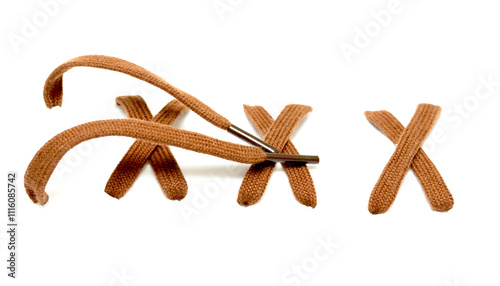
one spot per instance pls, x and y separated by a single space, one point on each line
45 160
155 134
160 157
277 132
53 89
408 153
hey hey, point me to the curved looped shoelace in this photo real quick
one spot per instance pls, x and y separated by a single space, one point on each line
408 153
53 89
154 134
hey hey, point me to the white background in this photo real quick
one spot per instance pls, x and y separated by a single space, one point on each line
268 53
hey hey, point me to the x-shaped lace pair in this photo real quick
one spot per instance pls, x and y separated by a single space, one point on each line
408 153
275 132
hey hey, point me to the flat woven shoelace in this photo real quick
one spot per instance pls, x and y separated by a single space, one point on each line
160 157
277 133
154 135
408 153
53 89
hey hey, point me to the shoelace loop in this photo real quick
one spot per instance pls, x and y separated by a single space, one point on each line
154 135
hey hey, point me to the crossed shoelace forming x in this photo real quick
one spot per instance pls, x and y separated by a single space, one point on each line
408 153
155 134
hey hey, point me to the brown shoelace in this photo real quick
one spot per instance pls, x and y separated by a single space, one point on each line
170 176
160 157
408 153
53 91
154 134
277 133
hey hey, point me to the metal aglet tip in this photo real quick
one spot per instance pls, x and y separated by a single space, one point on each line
280 158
